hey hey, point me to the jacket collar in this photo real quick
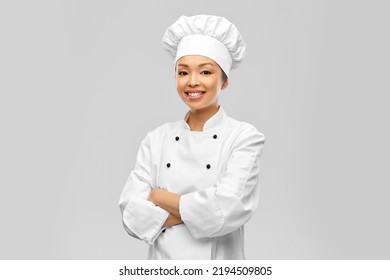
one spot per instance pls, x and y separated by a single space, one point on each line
211 123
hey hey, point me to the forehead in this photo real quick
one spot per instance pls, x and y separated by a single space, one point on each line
195 60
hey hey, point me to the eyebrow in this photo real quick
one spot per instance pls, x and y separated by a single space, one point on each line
200 65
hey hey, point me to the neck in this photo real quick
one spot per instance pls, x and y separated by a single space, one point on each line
198 117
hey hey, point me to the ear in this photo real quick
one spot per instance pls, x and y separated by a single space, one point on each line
224 84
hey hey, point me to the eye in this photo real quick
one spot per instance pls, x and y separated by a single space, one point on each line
182 73
206 72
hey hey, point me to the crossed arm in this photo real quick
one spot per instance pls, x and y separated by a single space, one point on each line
168 201
213 211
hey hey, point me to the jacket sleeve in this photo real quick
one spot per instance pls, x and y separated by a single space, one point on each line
141 218
231 201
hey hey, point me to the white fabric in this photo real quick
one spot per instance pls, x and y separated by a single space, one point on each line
230 52
216 202
206 46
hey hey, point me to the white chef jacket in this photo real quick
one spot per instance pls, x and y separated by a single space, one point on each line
216 172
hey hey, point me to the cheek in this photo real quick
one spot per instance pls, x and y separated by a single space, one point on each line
214 84
179 84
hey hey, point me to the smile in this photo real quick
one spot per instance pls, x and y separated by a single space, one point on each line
195 95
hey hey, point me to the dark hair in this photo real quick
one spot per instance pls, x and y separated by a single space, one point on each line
224 76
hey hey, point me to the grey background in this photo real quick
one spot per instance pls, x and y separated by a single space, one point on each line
82 82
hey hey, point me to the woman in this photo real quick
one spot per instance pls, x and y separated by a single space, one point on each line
195 182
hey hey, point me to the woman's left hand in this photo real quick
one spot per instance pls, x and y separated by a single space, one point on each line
167 200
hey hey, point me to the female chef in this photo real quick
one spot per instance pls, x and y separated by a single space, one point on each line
196 181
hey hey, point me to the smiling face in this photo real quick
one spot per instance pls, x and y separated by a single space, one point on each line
198 82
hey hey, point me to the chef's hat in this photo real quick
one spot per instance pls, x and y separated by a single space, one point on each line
211 36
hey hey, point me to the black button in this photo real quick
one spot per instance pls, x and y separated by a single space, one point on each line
164 230
177 138
168 165
208 166
215 136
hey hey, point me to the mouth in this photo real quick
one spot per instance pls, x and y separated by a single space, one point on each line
194 95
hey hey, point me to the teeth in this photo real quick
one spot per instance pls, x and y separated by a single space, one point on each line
194 94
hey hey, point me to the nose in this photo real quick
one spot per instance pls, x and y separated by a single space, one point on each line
193 80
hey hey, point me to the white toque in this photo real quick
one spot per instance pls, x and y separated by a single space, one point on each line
211 36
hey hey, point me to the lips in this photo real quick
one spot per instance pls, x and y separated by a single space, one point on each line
194 95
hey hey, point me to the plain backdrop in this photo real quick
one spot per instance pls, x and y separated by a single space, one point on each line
82 82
